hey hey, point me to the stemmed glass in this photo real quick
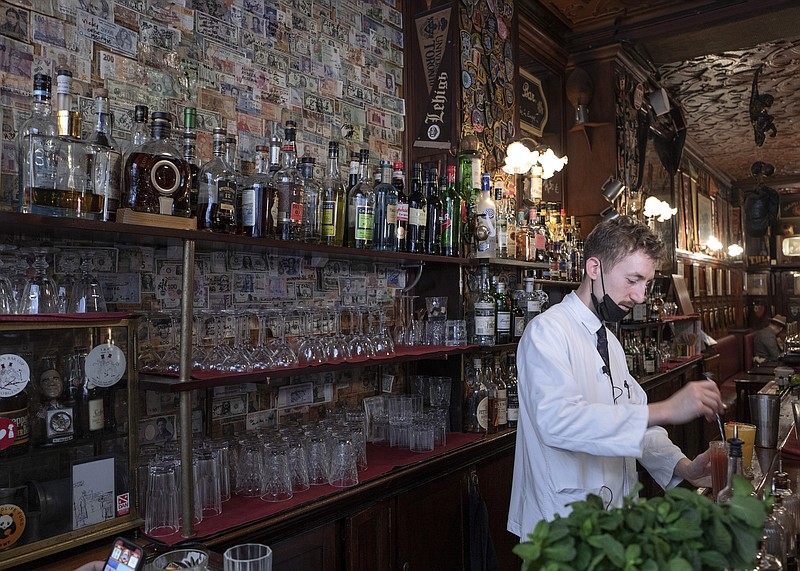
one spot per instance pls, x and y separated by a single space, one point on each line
262 355
86 294
215 358
19 279
238 359
148 359
171 361
310 349
7 302
381 339
360 344
41 291
336 347
283 354
199 352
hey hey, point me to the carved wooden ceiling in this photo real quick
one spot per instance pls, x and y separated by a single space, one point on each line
705 54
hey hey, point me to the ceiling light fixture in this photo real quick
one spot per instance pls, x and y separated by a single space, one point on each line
657 209
522 157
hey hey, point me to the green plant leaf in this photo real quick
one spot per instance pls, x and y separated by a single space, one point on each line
528 551
563 552
678 564
635 520
713 559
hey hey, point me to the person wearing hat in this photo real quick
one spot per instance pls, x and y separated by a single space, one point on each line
768 342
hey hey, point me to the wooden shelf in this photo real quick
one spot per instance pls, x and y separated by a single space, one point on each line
164 383
507 262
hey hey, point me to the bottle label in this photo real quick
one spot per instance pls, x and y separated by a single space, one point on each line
539 241
105 365
649 366
534 306
483 413
630 361
513 412
502 407
60 425
296 214
249 207
165 177
14 375
503 321
417 216
391 214
402 212
328 225
519 326
14 428
97 417
14 518
364 221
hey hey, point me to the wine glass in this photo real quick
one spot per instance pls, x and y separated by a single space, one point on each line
262 354
148 359
360 344
216 356
283 354
86 294
336 347
310 349
19 278
238 359
41 291
171 361
7 303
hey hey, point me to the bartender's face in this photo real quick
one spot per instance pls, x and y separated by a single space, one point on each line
627 282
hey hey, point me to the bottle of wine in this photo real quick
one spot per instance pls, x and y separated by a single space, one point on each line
499 375
512 390
361 207
433 217
333 200
417 212
451 216
401 232
385 222
476 412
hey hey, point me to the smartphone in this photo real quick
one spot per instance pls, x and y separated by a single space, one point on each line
125 556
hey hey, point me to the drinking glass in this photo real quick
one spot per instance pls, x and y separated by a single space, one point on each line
223 450
262 355
344 464
171 361
360 344
436 307
282 353
277 478
238 360
298 464
161 517
41 291
310 349
377 418
86 294
336 347
249 464
184 559
318 466
421 434
19 278
248 557
455 332
7 302
216 356
208 482
719 465
148 359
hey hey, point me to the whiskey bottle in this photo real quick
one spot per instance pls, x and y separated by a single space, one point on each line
107 158
290 187
477 401
512 390
333 200
417 212
498 376
35 147
270 210
484 310
312 194
361 207
503 312
157 178
140 133
451 216
54 422
14 401
517 316
385 223
216 207
493 403
401 232
254 191
433 216
190 154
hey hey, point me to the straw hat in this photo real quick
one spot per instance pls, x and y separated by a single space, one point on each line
779 320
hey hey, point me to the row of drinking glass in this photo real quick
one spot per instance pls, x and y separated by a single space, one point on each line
271 465
23 294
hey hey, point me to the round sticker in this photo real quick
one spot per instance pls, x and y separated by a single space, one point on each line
105 365
466 79
14 375
12 524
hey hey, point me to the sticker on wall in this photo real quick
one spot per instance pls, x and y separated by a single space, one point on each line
14 375
105 365
12 525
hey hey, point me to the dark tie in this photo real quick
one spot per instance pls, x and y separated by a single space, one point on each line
602 347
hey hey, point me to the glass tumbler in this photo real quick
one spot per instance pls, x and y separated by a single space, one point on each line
344 467
248 557
161 517
277 479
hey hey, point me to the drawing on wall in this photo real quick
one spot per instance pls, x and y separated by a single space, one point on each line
92 492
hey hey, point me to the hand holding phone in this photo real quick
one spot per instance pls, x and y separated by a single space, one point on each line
125 556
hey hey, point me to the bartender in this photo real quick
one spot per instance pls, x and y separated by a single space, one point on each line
583 419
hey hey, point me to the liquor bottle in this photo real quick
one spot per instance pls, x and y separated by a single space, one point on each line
64 101
355 170
650 359
217 201
417 212
333 200
512 390
361 207
476 412
502 305
401 232
433 216
254 190
484 309
734 468
272 199
502 222
37 161
385 222
524 248
54 421
485 219
493 402
76 392
99 409
538 234
14 406
576 262
107 158
517 316
290 187
451 216
190 154
157 178
502 394
511 230
469 171
530 301
232 158
312 194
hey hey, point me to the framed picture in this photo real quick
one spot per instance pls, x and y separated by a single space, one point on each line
705 219
533 105
92 492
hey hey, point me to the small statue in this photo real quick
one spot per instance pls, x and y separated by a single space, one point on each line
762 121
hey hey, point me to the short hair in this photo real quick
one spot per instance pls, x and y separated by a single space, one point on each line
613 240
12 11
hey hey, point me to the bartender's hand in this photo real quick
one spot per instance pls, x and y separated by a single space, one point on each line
697 471
93 566
698 398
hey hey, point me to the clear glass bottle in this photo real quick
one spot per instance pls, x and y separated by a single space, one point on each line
333 200
254 190
417 212
433 216
493 403
290 186
451 216
484 310
401 232
36 146
312 194
361 207
385 222
232 158
107 158
157 177
190 154
499 376
485 221
734 468
272 200
517 316
503 314
217 200
476 412
512 390
502 222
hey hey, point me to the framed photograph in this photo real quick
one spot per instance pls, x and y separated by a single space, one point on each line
92 492
705 219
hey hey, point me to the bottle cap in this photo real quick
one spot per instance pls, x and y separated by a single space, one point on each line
190 118
398 166
140 114
41 85
385 164
100 92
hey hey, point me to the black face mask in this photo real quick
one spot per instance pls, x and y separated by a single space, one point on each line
607 309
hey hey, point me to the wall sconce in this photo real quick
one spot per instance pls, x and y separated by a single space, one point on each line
657 209
612 188
534 164
713 244
735 250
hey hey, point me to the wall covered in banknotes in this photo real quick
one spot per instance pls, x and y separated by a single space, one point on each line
334 66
